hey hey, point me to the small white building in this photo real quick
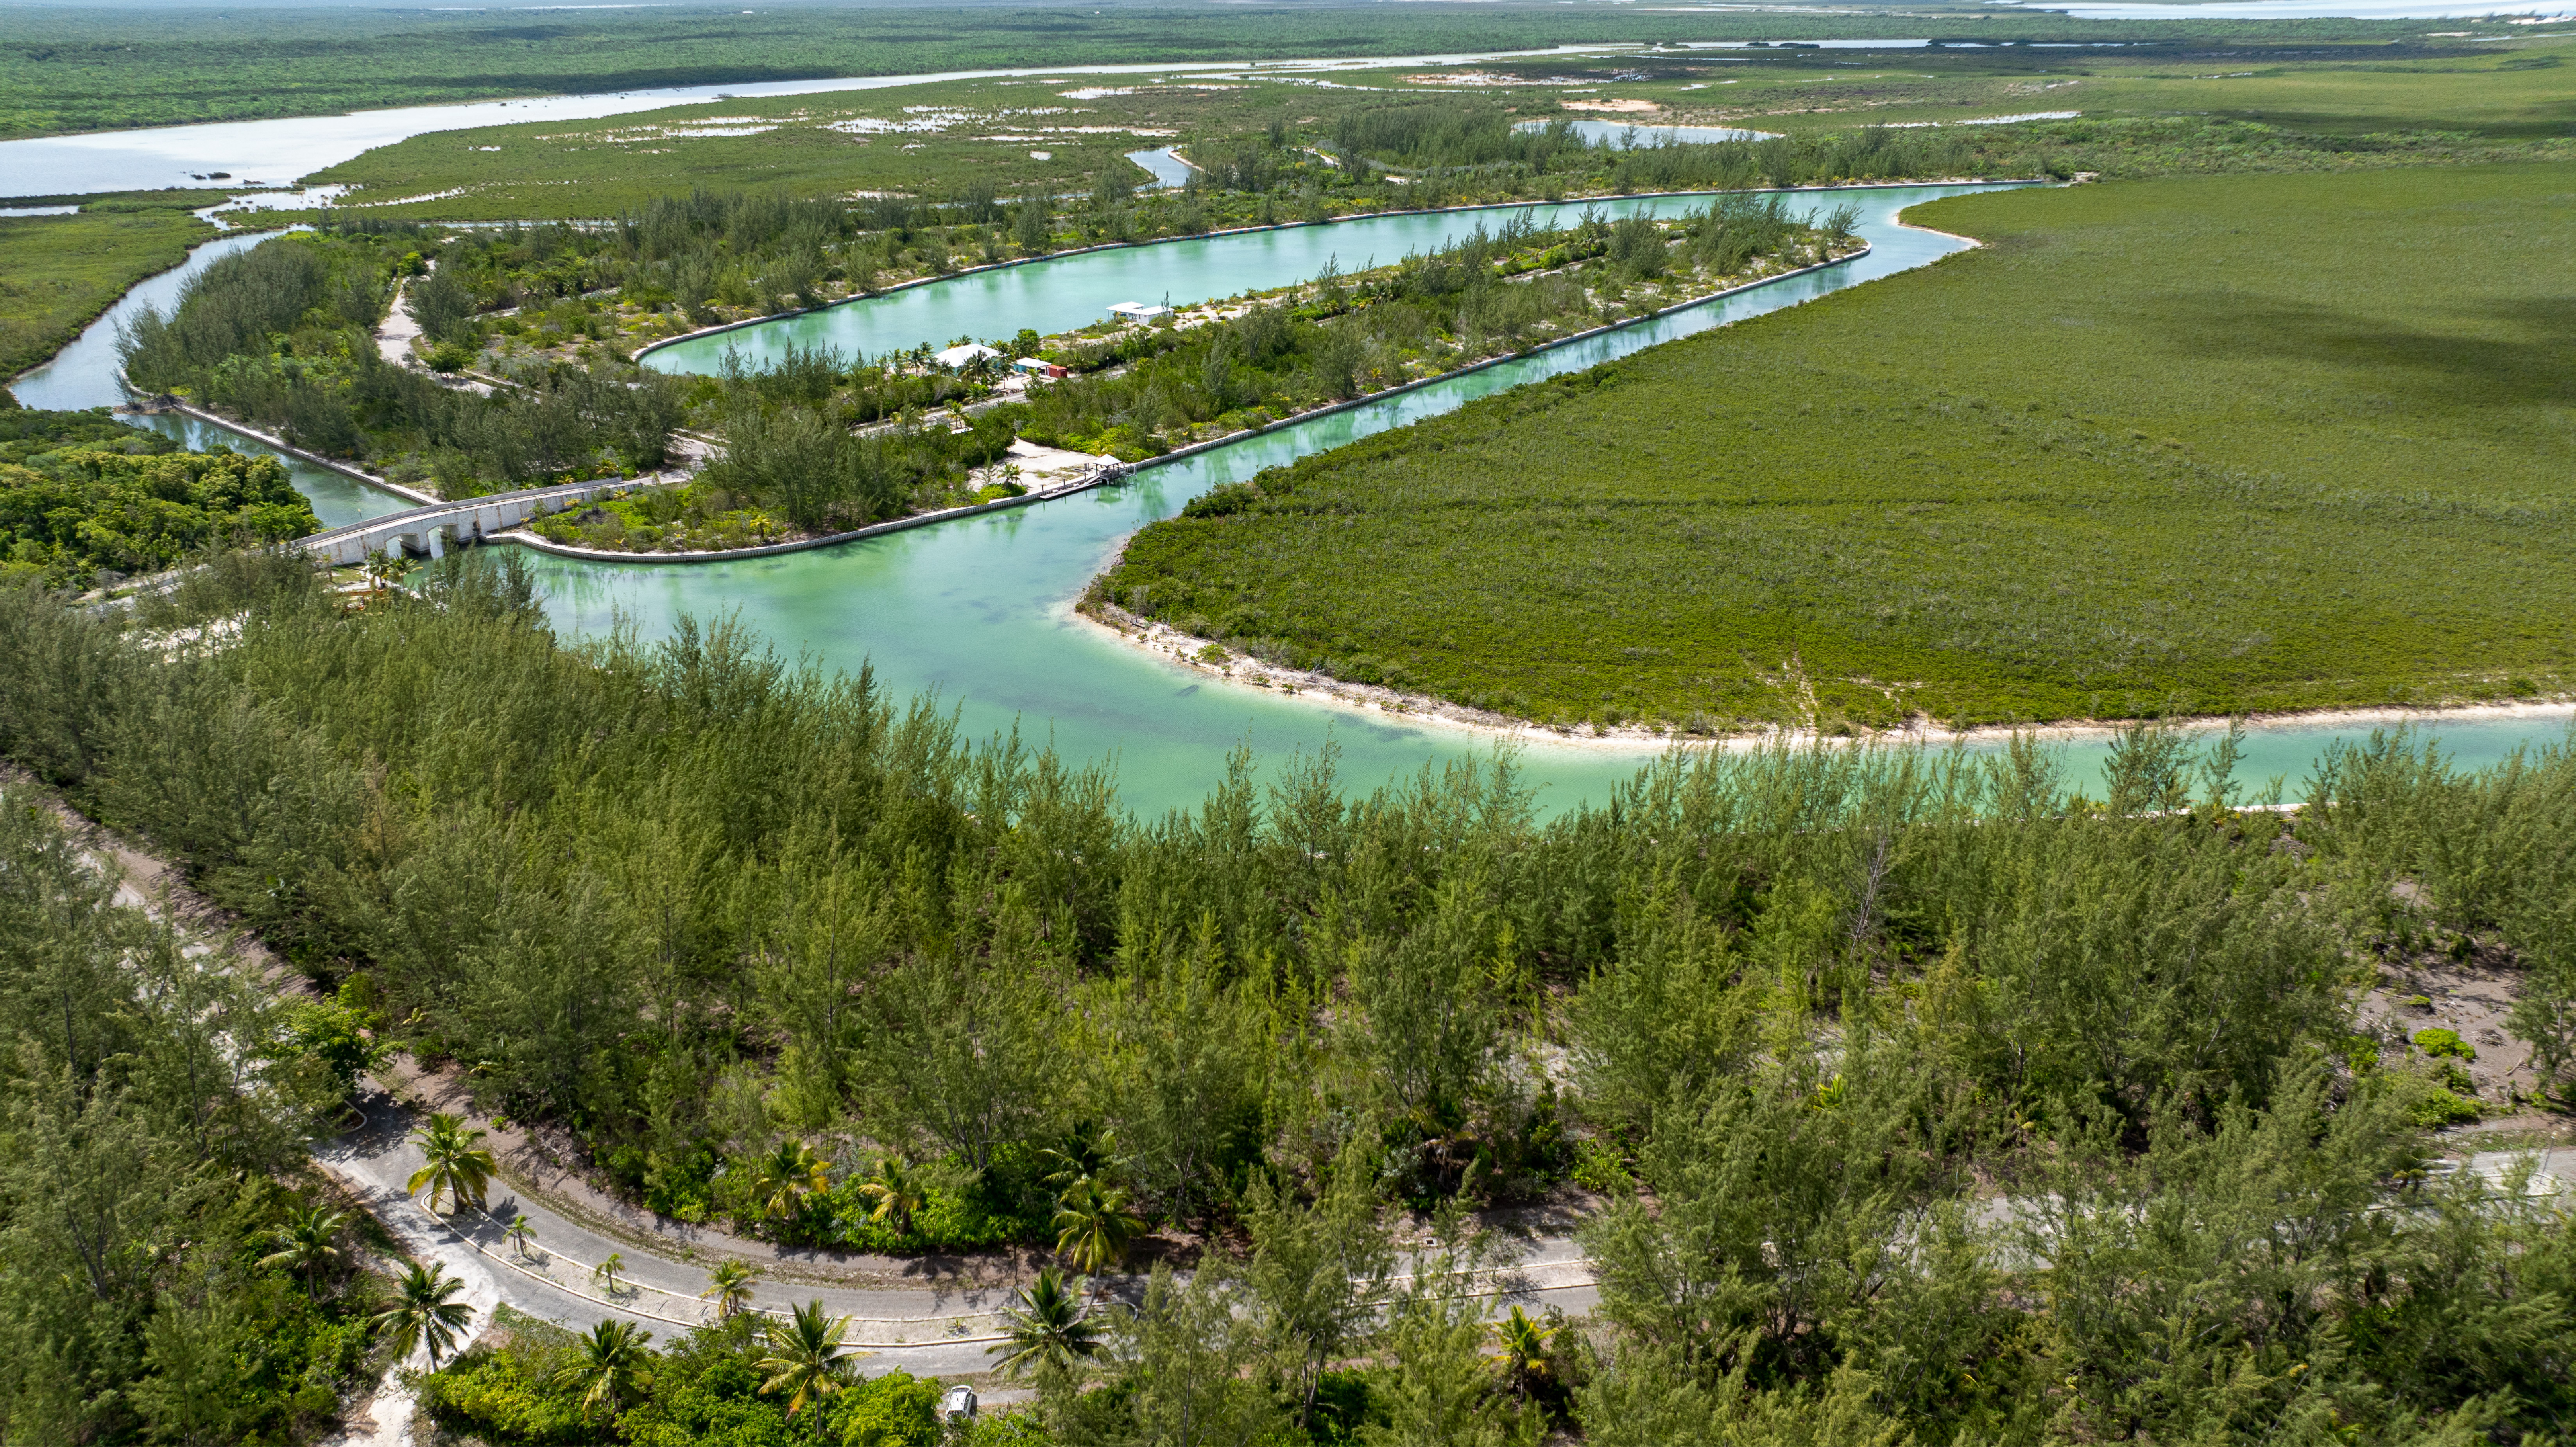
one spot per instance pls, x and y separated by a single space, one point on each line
964 355
1137 311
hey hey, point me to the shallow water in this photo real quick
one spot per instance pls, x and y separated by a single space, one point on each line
1066 292
85 374
283 151
1167 169
1624 135
978 611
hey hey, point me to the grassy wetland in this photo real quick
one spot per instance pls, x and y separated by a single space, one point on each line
2205 445
57 273
65 70
1886 1094
2129 108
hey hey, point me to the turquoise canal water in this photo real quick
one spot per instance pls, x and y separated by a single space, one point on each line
1066 292
978 612
84 374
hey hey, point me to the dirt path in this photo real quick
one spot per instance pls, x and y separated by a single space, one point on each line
396 333
932 1315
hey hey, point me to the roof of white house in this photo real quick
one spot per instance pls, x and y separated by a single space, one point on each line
959 356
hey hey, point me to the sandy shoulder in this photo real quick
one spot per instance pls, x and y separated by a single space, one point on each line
1228 666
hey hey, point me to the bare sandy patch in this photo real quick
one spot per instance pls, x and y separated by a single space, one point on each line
1232 666
1615 107
1044 467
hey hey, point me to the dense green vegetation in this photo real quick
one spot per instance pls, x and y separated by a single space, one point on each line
1488 295
791 464
281 336
57 273
687 901
170 1269
2209 445
81 493
64 69
2457 85
1265 150
1268 145
529 1385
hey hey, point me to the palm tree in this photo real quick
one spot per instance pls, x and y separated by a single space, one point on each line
1093 1224
383 569
1050 1325
729 1287
806 1358
1528 1351
898 1193
521 1231
458 1169
606 1365
422 1312
306 1243
782 1178
604 1275
1084 1151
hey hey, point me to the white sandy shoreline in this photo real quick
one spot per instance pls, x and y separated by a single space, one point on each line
1387 705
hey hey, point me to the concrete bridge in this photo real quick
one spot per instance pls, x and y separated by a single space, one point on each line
429 531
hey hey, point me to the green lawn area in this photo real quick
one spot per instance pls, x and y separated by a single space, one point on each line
2225 443
57 273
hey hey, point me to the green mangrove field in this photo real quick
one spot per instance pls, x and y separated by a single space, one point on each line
66 70
57 273
2202 445
794 462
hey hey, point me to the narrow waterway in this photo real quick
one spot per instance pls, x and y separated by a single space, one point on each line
85 374
234 155
1068 291
978 612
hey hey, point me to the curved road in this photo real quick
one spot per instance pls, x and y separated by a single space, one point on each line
941 1326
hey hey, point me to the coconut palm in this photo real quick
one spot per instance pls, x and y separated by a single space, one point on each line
1528 1350
306 1243
605 1274
729 1287
1049 1325
423 1311
1084 1151
458 1169
807 1359
521 1231
784 1177
1093 1224
898 1193
604 1365
384 569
